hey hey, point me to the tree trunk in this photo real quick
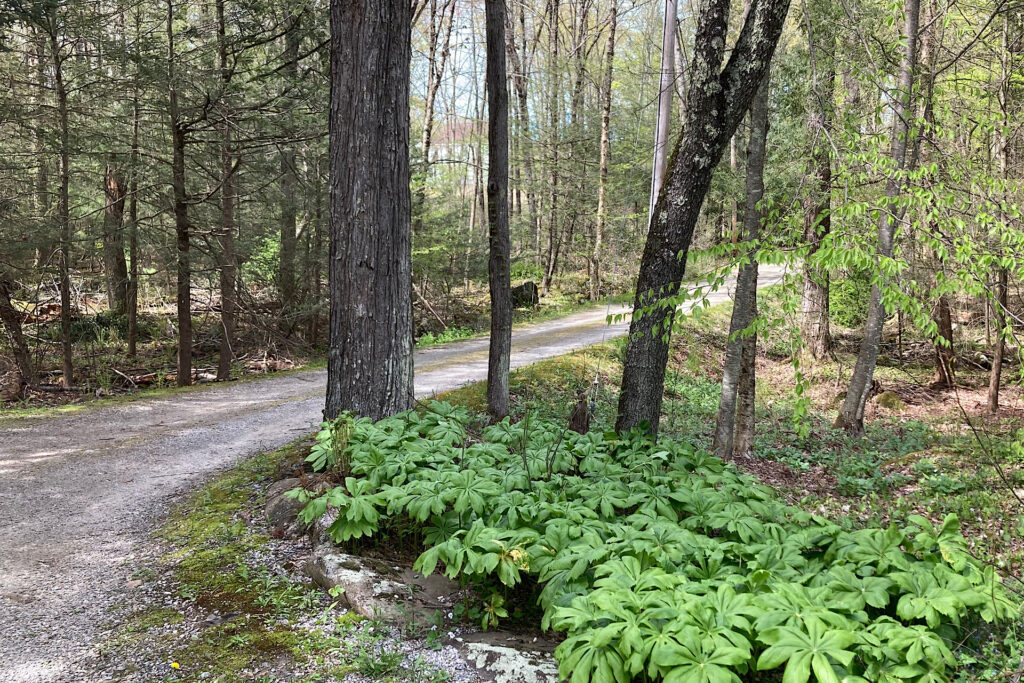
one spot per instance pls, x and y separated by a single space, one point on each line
289 210
525 136
999 340
554 116
498 265
945 376
851 415
717 101
226 235
817 203
666 90
180 207
370 361
602 190
439 43
11 320
745 300
133 208
63 208
44 251
115 267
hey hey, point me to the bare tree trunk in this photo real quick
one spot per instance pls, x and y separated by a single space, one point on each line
370 361
115 267
498 264
180 206
945 375
439 43
743 434
519 81
63 206
745 299
554 116
226 235
602 190
42 190
814 308
851 415
717 101
666 90
133 212
1000 303
11 320
289 211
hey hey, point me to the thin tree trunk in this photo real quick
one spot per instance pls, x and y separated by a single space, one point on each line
554 116
745 300
743 434
42 189
814 308
439 44
717 101
180 207
851 415
226 235
133 213
63 207
11 320
1001 298
519 81
945 375
115 267
602 190
370 361
498 265
666 90
999 341
289 209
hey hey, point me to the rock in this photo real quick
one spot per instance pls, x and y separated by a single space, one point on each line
318 535
506 658
525 295
282 512
366 592
372 589
890 401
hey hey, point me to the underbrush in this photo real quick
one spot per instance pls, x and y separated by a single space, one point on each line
658 561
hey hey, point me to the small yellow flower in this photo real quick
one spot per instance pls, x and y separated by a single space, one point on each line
175 665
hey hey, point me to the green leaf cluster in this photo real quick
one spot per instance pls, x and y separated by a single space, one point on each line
660 561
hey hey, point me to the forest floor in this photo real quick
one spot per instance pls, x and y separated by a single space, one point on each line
80 492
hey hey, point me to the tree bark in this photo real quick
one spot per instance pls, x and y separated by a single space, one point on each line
999 340
554 116
370 361
498 264
817 203
439 43
11 320
180 208
115 266
133 212
602 189
717 101
226 234
289 205
63 206
945 375
666 90
745 300
851 414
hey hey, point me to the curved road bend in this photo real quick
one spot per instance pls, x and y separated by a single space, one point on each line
77 492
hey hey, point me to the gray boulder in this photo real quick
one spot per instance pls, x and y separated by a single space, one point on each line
282 512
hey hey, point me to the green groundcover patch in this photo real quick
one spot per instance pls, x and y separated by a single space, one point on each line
658 561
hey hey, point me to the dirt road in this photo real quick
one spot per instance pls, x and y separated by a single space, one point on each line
79 491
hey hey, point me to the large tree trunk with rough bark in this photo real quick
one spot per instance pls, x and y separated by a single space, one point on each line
851 414
745 300
498 263
717 100
370 361
115 266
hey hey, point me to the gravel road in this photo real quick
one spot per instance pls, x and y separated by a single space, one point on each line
79 492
